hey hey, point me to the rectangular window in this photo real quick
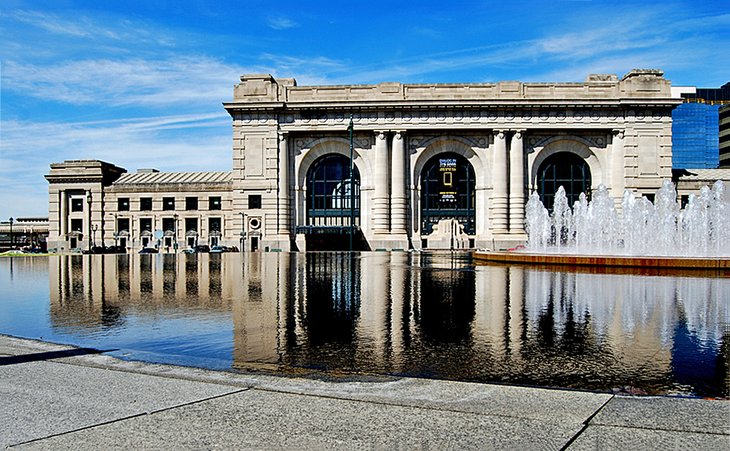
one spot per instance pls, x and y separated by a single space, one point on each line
191 203
77 225
214 224
168 225
214 203
254 201
123 204
191 224
145 204
77 204
145 224
122 224
168 203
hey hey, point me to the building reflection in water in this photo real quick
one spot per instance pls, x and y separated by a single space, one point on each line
418 314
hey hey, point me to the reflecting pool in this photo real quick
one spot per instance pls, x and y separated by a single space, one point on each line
433 315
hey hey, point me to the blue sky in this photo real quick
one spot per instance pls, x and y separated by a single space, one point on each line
140 83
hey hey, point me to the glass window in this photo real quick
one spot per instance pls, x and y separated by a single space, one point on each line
77 225
145 204
214 203
191 224
168 224
564 169
145 224
77 204
254 201
168 203
191 203
448 192
214 224
122 224
329 191
123 204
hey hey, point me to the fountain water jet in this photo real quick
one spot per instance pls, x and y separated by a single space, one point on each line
642 233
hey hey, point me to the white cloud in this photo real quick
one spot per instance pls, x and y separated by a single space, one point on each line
170 143
281 23
183 79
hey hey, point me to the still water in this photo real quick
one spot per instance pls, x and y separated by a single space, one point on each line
433 315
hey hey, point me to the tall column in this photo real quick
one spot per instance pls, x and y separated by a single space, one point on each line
398 199
499 180
380 195
618 179
517 185
284 201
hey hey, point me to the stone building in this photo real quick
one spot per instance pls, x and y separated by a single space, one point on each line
433 166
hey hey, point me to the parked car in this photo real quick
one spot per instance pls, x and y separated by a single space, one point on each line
202 248
148 250
188 250
217 249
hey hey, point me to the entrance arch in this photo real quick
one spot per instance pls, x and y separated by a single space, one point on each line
564 169
332 202
448 191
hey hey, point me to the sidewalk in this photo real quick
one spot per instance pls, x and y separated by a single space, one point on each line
58 397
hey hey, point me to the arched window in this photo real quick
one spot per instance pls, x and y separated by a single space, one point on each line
329 192
447 191
564 169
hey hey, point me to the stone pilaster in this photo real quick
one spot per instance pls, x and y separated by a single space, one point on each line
399 201
63 215
499 181
284 200
618 179
517 185
380 195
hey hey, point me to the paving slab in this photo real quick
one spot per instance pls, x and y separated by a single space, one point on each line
41 398
257 419
562 407
633 439
666 413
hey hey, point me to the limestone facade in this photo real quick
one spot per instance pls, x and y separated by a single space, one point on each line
502 134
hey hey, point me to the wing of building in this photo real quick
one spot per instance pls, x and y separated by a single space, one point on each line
388 166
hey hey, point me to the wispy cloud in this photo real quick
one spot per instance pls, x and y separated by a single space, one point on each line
186 79
83 26
173 143
281 23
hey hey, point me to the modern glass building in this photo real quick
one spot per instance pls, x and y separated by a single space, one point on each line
696 129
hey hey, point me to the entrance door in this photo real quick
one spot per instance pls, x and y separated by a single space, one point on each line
448 192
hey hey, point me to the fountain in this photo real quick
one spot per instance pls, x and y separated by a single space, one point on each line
642 233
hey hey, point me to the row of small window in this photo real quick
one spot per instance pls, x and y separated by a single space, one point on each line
145 224
168 224
168 203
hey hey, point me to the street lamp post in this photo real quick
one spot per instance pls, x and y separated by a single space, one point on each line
174 234
243 230
94 228
352 186
12 238
88 203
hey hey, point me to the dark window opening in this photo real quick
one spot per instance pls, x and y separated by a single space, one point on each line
254 201
77 225
77 204
330 193
564 169
214 203
191 224
191 203
214 224
168 203
123 204
145 204
122 224
145 224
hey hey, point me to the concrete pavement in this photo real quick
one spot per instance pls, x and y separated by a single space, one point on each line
58 397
